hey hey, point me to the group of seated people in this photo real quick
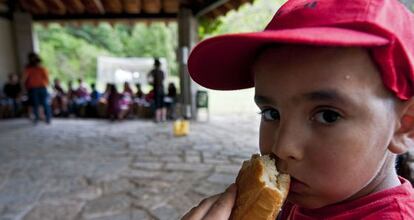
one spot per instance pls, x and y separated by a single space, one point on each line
87 102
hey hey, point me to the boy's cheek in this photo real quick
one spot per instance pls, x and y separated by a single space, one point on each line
266 138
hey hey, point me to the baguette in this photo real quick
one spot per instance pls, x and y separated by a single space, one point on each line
261 190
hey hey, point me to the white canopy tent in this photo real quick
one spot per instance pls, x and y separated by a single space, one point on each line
134 70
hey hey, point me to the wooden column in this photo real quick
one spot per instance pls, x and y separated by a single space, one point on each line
187 38
7 50
23 33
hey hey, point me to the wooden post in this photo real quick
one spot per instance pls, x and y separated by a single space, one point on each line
187 38
23 33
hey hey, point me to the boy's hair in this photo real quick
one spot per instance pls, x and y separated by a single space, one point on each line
382 26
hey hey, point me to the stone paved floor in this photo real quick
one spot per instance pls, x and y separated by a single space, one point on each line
95 169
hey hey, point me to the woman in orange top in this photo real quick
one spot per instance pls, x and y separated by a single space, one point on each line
36 80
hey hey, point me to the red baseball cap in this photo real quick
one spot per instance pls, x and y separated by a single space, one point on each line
386 27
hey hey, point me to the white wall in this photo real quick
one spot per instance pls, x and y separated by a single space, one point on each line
7 51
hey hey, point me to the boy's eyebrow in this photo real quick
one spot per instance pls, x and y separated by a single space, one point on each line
319 95
325 95
261 99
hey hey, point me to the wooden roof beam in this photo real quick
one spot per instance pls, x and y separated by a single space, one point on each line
132 6
107 16
55 6
170 6
219 11
74 6
209 6
230 5
41 6
34 6
151 6
112 6
94 6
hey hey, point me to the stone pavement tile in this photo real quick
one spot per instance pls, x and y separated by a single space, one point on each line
150 186
85 193
207 147
146 200
191 153
20 191
171 158
188 167
239 151
147 165
193 159
53 211
208 189
228 168
165 149
138 214
11 211
145 174
208 154
146 158
220 178
211 160
165 212
65 183
121 216
173 176
115 186
184 202
239 159
106 205
134 214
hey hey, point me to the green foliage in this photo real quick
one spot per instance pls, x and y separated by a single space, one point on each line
249 18
66 56
70 52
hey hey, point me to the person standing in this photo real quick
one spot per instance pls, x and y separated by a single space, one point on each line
156 77
36 80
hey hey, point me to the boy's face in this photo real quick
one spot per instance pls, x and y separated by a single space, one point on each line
327 118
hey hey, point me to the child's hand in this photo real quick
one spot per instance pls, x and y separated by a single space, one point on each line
217 207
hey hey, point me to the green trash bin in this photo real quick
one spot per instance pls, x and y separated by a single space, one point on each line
202 99
202 102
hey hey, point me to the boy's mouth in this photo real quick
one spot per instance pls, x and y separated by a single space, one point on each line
296 185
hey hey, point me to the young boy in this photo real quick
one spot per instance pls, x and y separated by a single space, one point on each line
334 81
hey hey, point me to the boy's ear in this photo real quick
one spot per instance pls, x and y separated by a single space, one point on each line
404 136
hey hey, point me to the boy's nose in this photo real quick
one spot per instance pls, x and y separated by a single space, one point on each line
287 144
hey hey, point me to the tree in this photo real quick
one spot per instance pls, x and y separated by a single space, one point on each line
249 18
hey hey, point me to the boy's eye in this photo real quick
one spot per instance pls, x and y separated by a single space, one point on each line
327 116
270 114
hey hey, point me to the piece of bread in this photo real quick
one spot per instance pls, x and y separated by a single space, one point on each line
261 190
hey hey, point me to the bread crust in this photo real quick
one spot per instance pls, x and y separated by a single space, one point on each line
256 201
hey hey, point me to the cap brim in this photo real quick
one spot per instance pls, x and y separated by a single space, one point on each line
224 62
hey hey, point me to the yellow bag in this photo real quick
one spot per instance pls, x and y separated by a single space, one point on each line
181 128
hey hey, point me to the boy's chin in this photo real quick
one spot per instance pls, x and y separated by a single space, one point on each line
307 202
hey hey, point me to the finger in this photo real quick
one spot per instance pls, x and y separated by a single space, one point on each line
198 212
221 209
